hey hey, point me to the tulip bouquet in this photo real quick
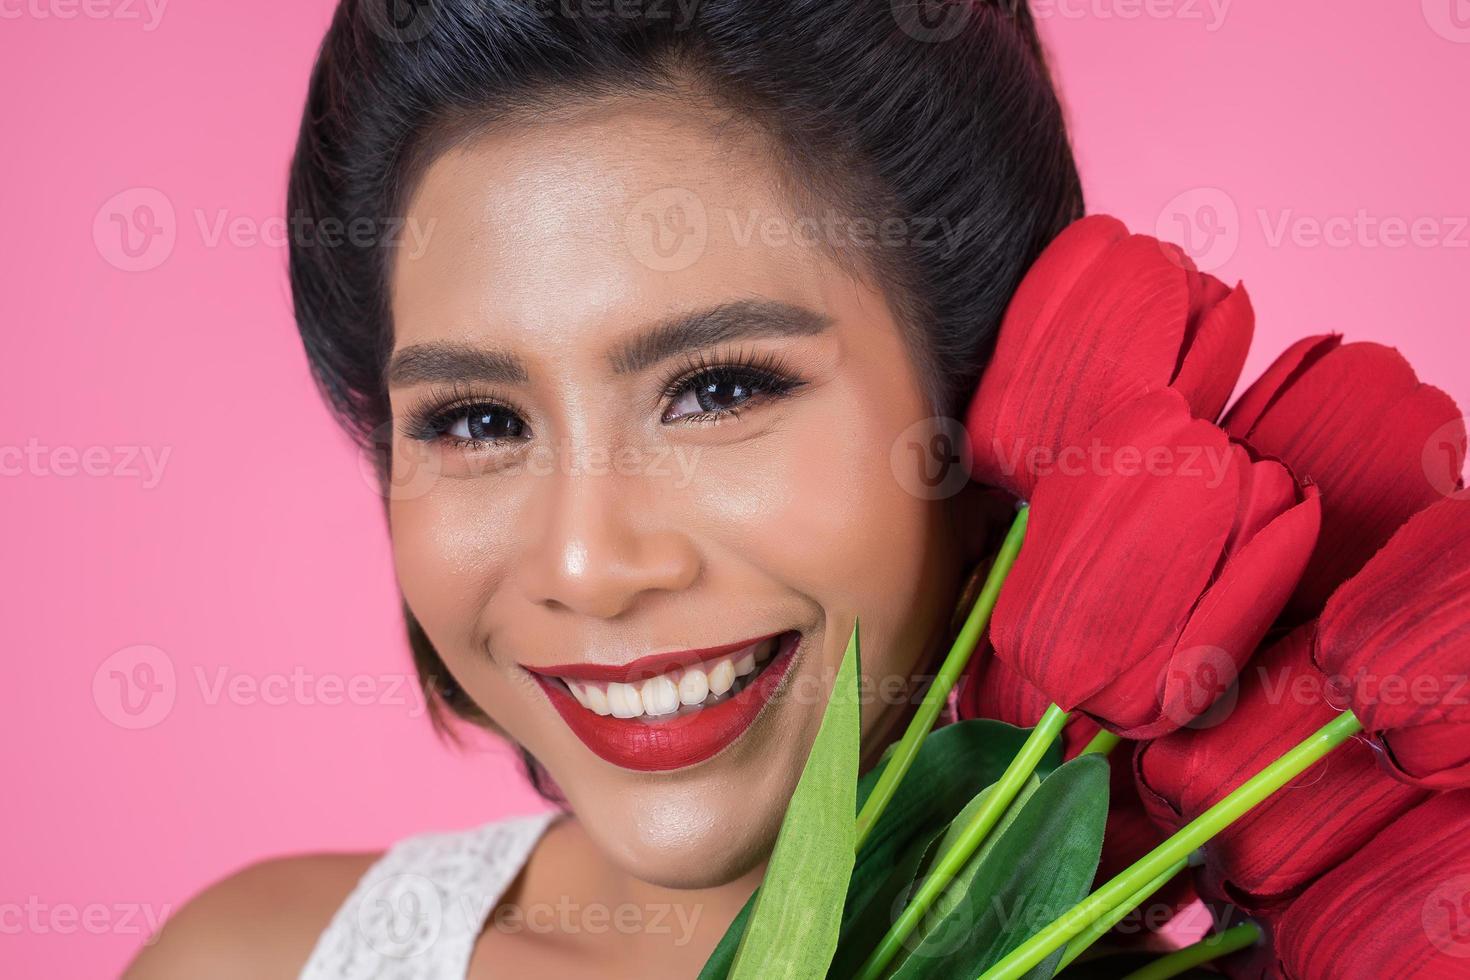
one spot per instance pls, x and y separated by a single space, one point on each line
1221 657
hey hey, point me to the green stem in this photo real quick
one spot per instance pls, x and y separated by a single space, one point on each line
953 860
907 749
1192 835
1084 939
1207 949
1102 743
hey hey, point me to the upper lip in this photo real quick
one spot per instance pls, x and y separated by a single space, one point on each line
645 667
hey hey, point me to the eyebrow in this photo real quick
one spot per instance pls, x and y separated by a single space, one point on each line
685 332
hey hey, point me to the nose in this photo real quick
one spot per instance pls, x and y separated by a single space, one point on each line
600 542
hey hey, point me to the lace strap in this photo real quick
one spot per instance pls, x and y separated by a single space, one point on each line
417 911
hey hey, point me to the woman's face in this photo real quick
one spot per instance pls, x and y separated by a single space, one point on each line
638 413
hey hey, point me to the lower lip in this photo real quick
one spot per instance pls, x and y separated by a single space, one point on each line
649 745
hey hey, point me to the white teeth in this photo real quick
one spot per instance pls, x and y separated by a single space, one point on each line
722 677
596 698
693 686
624 700
660 696
745 663
665 693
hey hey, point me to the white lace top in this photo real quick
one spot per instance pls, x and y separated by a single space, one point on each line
417 911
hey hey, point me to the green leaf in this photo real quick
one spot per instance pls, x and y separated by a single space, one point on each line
1038 864
794 927
954 763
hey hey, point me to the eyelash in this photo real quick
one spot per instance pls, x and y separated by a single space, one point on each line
765 374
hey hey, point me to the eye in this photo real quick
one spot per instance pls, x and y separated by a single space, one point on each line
485 423
712 391
472 422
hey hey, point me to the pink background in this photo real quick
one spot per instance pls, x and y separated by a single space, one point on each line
260 552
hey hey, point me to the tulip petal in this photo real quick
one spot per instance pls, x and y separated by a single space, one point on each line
1253 403
1312 824
1435 756
1116 558
1215 354
1233 616
1397 909
1075 346
1356 422
1398 632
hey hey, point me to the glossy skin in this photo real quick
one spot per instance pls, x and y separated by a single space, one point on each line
785 514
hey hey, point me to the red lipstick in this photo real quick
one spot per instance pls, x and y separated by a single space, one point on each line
655 744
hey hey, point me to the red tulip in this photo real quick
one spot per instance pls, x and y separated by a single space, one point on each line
1355 420
1398 908
1305 829
1152 569
990 689
1102 318
1397 637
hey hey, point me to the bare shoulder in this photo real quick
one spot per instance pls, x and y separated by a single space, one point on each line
261 921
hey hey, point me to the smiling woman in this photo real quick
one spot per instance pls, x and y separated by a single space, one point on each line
772 241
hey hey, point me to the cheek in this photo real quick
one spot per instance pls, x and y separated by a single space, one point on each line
815 505
451 547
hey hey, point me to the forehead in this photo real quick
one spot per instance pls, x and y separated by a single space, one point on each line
549 231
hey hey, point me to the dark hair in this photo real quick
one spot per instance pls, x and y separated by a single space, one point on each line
939 113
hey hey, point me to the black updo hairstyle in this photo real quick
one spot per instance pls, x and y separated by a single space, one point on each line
940 113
